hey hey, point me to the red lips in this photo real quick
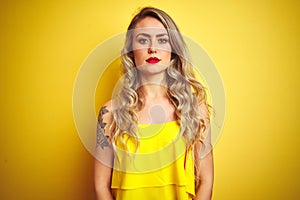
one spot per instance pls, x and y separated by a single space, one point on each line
152 60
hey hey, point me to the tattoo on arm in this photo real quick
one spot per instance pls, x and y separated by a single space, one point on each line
102 139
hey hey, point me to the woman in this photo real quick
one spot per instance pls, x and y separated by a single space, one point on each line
153 139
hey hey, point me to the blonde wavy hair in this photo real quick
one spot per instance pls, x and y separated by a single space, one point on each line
184 91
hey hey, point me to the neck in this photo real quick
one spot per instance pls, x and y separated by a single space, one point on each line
154 86
159 79
154 91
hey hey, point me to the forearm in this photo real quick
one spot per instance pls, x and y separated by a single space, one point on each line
204 191
104 194
204 187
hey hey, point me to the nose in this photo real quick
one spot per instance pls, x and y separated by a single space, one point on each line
152 48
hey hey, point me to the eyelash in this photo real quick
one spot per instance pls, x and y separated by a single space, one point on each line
143 41
163 41
160 41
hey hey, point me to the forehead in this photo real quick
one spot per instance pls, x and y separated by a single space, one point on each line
149 22
150 26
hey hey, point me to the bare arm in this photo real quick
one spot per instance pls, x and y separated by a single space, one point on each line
206 178
103 156
204 160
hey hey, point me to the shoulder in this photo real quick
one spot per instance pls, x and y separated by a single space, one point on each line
204 111
107 106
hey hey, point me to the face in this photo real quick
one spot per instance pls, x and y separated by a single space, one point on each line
151 46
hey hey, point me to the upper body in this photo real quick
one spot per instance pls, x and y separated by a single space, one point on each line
159 88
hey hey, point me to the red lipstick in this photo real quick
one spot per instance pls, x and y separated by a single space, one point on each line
153 60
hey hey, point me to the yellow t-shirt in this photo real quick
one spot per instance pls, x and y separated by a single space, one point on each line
160 168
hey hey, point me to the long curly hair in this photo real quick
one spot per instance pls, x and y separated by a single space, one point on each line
184 91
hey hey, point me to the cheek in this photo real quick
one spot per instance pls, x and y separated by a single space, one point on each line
139 56
166 52
166 56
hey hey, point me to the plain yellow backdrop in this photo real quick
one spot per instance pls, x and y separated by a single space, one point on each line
254 44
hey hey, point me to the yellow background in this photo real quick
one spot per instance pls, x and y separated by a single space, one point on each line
254 44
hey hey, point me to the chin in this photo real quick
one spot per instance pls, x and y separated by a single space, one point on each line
152 69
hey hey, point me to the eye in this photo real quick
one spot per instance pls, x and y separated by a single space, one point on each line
143 41
162 40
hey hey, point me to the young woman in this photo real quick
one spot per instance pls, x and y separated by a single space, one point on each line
153 139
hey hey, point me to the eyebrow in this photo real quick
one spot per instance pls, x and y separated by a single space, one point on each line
147 35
